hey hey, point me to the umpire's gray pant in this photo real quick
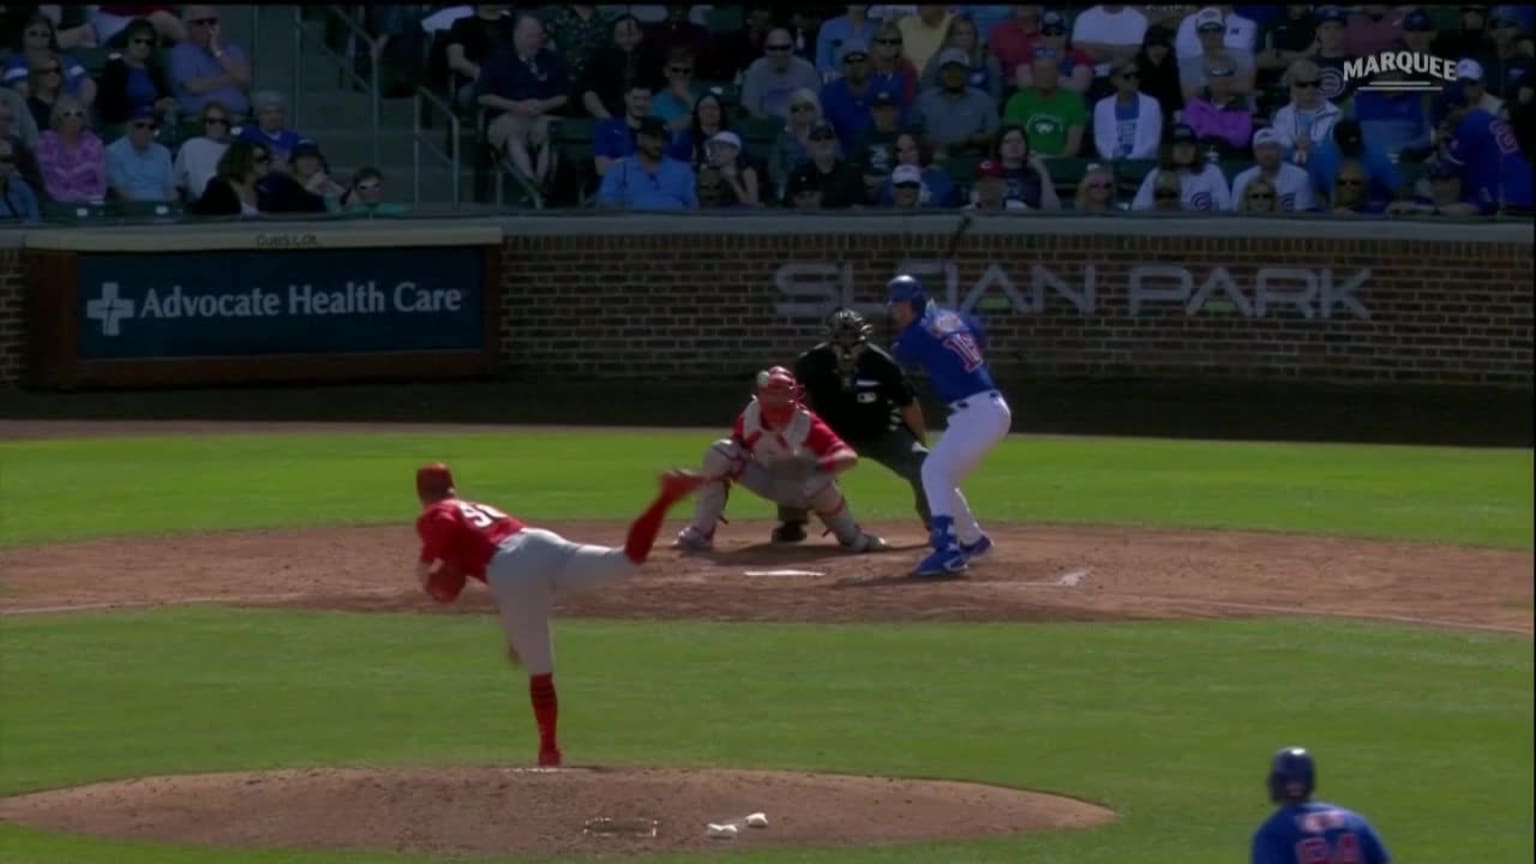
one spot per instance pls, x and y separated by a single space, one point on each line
900 451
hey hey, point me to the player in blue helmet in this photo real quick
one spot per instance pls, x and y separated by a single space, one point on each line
1303 831
949 346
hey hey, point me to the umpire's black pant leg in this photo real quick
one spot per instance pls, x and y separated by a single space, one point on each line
900 451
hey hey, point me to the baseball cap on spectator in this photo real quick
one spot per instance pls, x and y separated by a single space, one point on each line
1051 24
907 175
1504 15
1183 132
141 112
853 46
305 147
1326 14
1469 70
953 57
990 168
1210 18
1418 21
822 129
726 136
653 127
1266 137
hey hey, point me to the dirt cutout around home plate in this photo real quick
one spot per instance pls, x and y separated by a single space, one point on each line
591 813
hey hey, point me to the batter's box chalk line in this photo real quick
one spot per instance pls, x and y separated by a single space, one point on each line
784 573
1070 579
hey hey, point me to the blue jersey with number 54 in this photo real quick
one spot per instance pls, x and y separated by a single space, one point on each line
948 345
1317 833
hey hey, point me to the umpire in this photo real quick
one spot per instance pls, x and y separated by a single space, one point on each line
867 399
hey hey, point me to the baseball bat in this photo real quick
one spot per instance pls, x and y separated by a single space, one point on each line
954 240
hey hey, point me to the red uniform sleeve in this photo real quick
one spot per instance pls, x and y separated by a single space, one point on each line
825 444
435 528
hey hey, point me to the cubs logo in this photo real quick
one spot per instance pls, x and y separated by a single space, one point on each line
1504 136
1201 201
1287 201
1331 83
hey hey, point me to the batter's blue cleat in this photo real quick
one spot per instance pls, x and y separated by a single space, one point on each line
979 549
942 562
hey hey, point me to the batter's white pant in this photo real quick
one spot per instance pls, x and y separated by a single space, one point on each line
526 573
976 425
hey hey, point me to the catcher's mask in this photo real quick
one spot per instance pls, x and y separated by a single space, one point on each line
1292 775
778 395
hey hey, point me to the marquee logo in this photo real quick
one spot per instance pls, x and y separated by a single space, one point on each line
1421 73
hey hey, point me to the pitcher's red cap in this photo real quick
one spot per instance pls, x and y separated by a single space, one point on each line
434 480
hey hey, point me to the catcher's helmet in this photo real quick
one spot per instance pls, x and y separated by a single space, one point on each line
778 395
1292 775
847 328
906 289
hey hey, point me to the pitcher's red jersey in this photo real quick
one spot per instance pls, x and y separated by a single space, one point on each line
463 535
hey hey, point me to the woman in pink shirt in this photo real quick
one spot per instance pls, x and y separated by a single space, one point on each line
71 157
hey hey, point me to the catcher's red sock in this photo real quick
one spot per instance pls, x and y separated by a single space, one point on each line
643 531
546 708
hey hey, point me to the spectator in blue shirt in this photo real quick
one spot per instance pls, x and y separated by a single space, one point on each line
614 138
1348 142
846 102
649 179
1446 196
1349 192
138 166
271 126
856 25
207 67
17 200
1396 122
526 83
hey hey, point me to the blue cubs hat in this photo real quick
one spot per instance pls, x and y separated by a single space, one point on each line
905 289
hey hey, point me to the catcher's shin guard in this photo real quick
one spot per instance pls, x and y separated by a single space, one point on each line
722 461
827 499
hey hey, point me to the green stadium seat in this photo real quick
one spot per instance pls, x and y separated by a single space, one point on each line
147 209
1068 172
54 211
962 170
112 131
1130 172
1230 168
759 128
726 19
573 137
93 57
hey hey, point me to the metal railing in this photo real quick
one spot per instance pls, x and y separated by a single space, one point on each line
427 98
349 74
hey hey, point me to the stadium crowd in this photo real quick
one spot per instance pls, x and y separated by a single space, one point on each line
1102 108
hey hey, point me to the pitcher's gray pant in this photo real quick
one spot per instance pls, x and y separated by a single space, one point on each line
528 570
898 450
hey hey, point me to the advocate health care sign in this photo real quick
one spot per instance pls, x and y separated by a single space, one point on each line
235 304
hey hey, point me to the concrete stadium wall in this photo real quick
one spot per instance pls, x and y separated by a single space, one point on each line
692 297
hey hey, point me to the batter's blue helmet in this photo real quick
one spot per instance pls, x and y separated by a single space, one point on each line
1292 775
906 289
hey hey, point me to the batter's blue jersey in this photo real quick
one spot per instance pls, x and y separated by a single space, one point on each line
1317 833
948 345
1493 169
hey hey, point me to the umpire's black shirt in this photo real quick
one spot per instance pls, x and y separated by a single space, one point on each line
865 410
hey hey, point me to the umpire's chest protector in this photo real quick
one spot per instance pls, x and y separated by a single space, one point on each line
770 446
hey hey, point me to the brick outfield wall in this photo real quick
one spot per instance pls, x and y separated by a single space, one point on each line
690 306
679 306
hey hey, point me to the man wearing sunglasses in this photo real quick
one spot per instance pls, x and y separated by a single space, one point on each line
207 68
1292 184
773 77
138 166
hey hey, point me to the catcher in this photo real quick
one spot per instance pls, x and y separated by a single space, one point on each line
867 399
782 451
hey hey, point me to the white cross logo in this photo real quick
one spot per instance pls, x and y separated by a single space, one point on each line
109 309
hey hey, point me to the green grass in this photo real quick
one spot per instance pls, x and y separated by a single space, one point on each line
59 490
1169 724
1428 732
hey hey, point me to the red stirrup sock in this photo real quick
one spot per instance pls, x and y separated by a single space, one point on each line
643 531
546 708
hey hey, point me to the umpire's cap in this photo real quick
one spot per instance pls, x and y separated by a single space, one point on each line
1292 775
434 480
906 289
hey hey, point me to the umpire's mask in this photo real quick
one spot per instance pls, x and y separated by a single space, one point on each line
848 332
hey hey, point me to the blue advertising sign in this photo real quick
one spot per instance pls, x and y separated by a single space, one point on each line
237 303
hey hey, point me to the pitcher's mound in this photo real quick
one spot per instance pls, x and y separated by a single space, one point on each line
581 812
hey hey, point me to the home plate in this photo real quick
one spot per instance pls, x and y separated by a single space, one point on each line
785 573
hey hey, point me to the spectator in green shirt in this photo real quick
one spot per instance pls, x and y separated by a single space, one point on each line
1053 116
366 196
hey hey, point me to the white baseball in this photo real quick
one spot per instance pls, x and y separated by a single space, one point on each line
757 820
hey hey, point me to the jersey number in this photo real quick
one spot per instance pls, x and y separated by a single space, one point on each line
1316 850
964 345
480 515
